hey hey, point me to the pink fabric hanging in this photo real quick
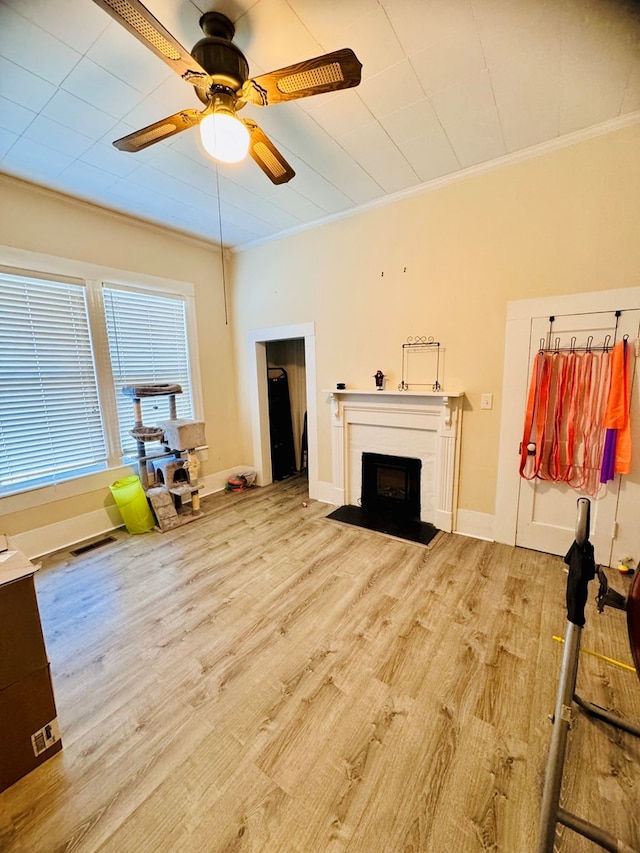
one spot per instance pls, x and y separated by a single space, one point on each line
564 431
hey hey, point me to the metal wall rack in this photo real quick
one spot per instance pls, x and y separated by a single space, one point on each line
420 344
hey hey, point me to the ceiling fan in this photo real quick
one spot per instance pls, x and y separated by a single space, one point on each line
219 72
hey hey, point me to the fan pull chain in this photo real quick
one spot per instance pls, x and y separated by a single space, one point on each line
224 277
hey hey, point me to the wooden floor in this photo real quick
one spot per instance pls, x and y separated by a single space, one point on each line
266 679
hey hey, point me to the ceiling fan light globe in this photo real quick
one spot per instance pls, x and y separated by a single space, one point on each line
224 137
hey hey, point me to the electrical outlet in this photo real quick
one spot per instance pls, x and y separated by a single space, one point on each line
486 401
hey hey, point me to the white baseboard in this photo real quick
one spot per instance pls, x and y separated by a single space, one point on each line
477 525
327 493
64 534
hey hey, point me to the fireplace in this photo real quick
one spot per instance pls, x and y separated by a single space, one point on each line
391 484
422 426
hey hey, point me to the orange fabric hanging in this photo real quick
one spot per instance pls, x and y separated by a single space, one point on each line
617 411
564 435
533 439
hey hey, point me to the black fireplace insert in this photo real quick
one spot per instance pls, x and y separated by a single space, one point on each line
391 485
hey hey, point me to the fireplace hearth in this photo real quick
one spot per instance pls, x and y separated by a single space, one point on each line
390 499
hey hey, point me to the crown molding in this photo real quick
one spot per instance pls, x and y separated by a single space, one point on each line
94 207
531 153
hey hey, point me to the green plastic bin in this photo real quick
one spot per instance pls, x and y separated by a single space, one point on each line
133 505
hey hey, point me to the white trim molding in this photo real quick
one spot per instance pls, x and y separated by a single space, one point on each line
424 425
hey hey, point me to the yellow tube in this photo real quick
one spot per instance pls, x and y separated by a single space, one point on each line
601 657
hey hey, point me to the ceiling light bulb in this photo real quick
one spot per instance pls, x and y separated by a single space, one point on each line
224 137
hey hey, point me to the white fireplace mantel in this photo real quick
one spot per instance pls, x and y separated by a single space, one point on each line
419 424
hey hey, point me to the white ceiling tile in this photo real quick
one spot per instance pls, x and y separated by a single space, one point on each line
234 217
300 206
43 162
276 46
124 56
380 157
109 159
470 120
171 96
32 48
416 120
98 87
528 122
585 113
316 188
23 87
241 199
171 188
513 81
454 105
394 88
189 145
138 199
366 36
450 61
338 116
67 109
579 90
631 98
171 161
419 24
74 22
482 8
431 156
58 136
85 180
7 140
15 117
329 19
521 29
549 67
477 138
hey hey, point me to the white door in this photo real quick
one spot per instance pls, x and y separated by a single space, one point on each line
547 510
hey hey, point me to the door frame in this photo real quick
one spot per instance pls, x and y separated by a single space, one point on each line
515 386
257 340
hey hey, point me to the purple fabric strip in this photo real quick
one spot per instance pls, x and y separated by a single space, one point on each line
607 469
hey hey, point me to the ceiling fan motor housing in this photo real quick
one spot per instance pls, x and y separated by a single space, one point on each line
217 54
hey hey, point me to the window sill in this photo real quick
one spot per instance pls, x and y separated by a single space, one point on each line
33 496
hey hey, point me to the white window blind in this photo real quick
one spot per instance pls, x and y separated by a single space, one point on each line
50 420
148 342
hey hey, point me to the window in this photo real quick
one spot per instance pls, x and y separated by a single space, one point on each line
67 348
50 422
147 343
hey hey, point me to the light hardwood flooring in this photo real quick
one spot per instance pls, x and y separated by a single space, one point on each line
268 680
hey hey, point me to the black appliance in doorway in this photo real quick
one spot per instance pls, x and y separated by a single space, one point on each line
283 457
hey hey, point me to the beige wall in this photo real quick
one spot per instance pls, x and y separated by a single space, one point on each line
445 263
39 221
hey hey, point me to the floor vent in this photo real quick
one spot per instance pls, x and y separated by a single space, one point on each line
90 546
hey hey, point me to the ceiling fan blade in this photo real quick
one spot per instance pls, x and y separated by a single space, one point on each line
160 130
267 155
141 23
328 73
